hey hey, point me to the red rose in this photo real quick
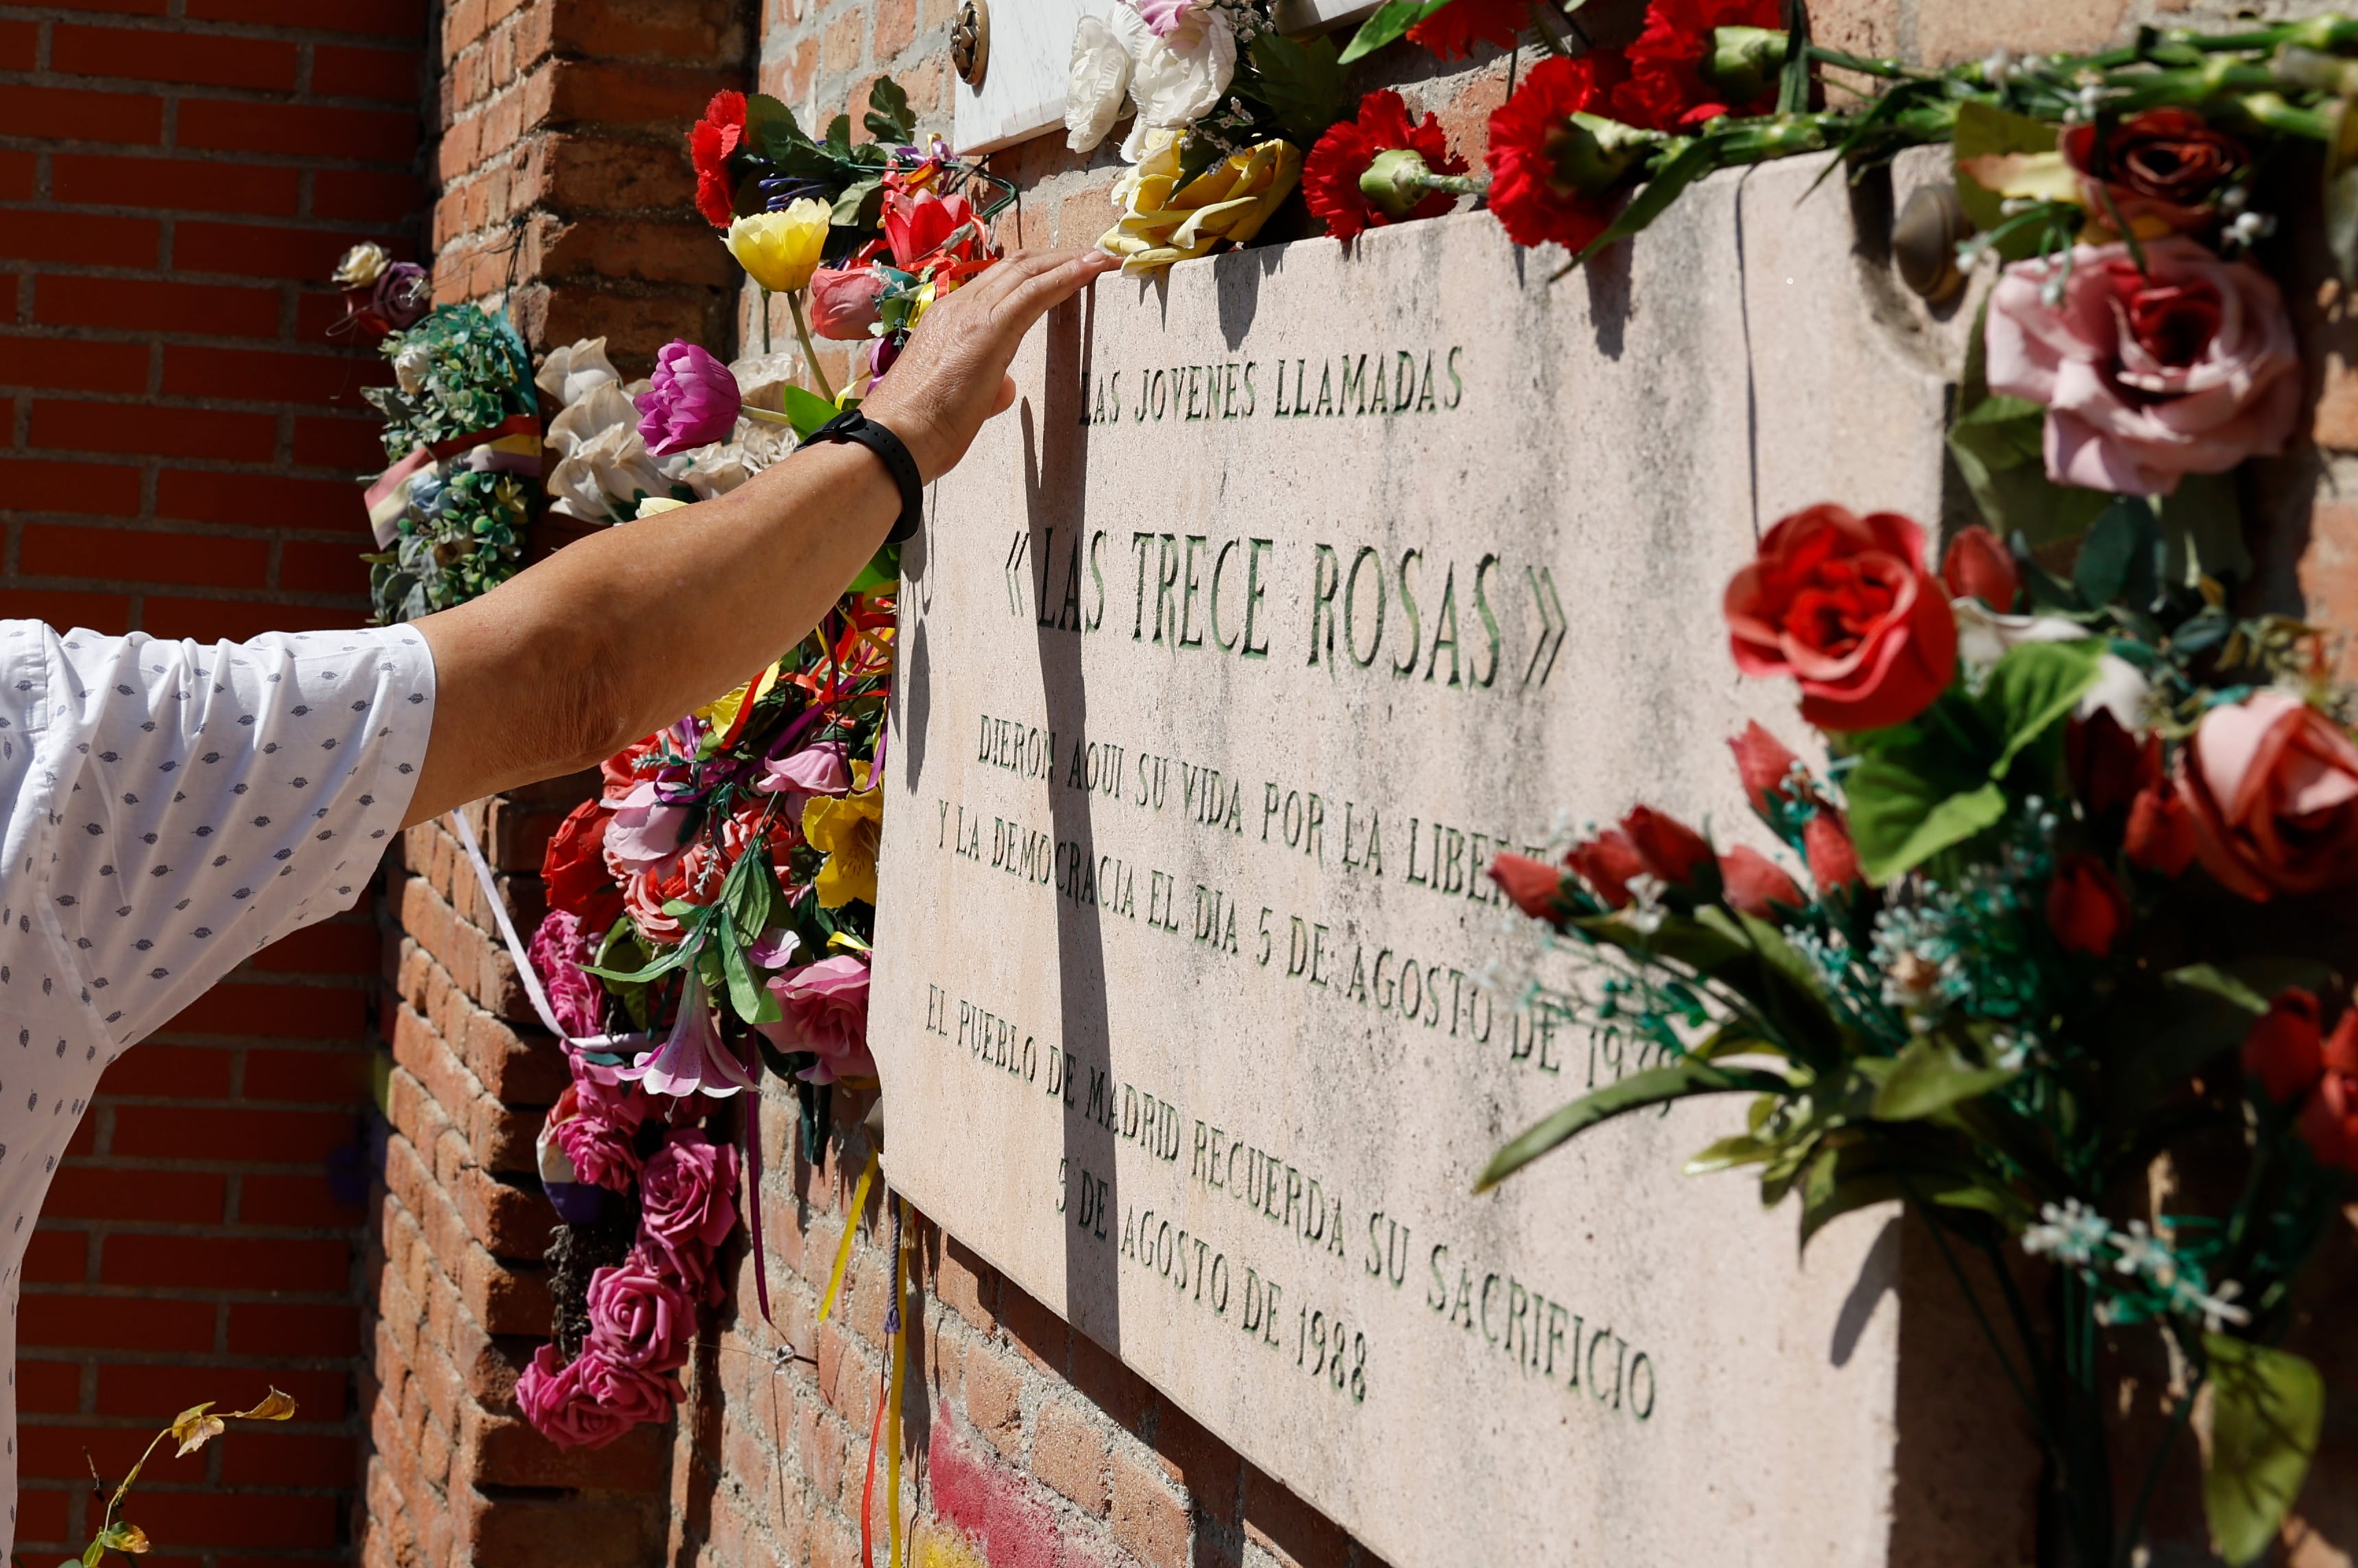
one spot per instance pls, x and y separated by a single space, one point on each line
1667 89
1765 765
1330 175
1753 882
2165 163
1843 604
573 869
1535 197
2272 786
1533 886
713 141
1606 863
2160 835
2085 906
1833 859
1978 566
1454 30
2284 1052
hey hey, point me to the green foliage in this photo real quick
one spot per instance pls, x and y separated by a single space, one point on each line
1928 1077
1392 21
807 410
844 174
1983 130
459 371
1659 1086
461 536
888 117
2267 1408
1999 447
1301 84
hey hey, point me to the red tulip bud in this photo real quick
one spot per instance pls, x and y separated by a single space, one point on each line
1834 862
2281 1051
1978 566
2107 765
1533 886
2085 906
1764 764
1753 881
2160 832
1606 863
1671 849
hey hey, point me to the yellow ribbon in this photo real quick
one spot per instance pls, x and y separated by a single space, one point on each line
850 1230
892 1409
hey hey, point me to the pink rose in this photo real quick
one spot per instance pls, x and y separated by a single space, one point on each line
825 1005
843 301
2187 367
2272 786
687 1200
559 950
638 1318
603 1148
588 1403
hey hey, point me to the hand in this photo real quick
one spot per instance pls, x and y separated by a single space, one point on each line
953 374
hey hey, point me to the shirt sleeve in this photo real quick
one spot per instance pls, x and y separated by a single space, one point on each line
221 797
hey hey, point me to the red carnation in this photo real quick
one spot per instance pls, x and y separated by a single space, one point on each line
711 144
573 869
1667 89
1330 176
1454 30
1531 191
1765 765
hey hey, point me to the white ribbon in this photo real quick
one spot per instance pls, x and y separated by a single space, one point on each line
626 1045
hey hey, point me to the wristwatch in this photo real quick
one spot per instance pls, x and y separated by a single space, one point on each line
860 430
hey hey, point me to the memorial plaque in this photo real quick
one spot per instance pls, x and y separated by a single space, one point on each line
1301 581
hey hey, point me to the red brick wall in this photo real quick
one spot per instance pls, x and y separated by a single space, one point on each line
180 437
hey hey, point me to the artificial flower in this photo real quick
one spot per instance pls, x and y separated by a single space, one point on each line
2186 365
402 295
822 769
2086 907
2329 1122
573 869
1754 883
1174 80
2284 1052
693 1059
687 1203
2160 835
604 467
1552 175
825 1008
1331 175
2272 787
361 267
1097 84
598 1134
1533 886
1607 863
695 877
555 1399
1843 604
1765 765
632 1394
2107 764
2161 170
560 949
638 1318
781 250
573 371
843 301
1164 17
1671 850
849 830
644 832
916 226
1978 566
1833 859
1161 222
1454 30
691 400
710 145
1670 85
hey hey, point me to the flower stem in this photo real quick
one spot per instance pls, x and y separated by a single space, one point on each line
765 321
1889 69
765 416
810 350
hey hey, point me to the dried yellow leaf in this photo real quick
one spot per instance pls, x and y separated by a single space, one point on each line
276 1407
194 1429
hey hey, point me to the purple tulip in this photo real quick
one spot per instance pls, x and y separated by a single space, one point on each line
691 401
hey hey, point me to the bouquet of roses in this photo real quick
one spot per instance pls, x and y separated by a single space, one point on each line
2055 920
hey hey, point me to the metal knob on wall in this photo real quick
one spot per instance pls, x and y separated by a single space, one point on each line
970 41
1924 243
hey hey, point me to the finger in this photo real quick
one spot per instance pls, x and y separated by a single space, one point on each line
1009 271
1006 398
1035 297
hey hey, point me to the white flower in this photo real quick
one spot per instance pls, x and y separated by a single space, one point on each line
409 367
2142 1252
2073 1232
1983 635
1645 913
610 467
602 407
1095 84
2121 690
1175 81
2217 1307
711 471
362 267
570 373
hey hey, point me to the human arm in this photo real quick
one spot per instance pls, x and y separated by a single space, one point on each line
615 637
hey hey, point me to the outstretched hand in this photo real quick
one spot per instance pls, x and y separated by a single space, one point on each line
952 375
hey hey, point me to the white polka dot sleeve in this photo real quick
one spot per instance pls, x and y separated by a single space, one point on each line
221 797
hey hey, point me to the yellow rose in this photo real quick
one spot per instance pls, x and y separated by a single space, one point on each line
848 830
781 250
1163 221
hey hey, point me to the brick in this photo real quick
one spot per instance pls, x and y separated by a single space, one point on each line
211 60
322 568
69 114
365 195
57 1257
1149 1520
280 1329
30 485
156 306
16 185
85 1191
18 41
1192 1458
1038 1333
994 1390
253 250
349 444
81 237
177 184
1289 1529
333 379
387 19
212 497
107 612
254 1455
214 1262
390 76
313 1011
113 1323
63 426
236 126
195 559
47 1385
182 1072
259 1137
339 1077
1069 1453
310 1201
1948 33
74 365
235 620
57 1451
292 1521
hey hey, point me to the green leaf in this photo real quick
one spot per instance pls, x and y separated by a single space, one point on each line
882 570
1392 20
1999 445
768 120
1898 821
1793 81
2116 558
1301 84
665 962
1656 1086
1981 130
807 409
2202 532
2266 1408
2032 689
2218 982
746 992
839 137
1726 1154
1928 1077
888 117
860 204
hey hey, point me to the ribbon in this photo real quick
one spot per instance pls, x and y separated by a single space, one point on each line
754 1202
896 1330
850 1230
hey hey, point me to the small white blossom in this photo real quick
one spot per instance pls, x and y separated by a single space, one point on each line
2251 228
2217 1307
2071 1232
2142 1252
1645 913
1998 66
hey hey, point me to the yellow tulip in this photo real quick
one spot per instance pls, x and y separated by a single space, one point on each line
1164 222
781 250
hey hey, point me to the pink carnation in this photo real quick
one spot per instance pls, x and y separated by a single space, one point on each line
826 1006
2186 367
559 950
638 1318
688 1198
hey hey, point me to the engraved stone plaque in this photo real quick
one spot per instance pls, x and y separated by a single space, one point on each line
1299 582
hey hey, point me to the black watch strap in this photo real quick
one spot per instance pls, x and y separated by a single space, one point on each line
858 429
